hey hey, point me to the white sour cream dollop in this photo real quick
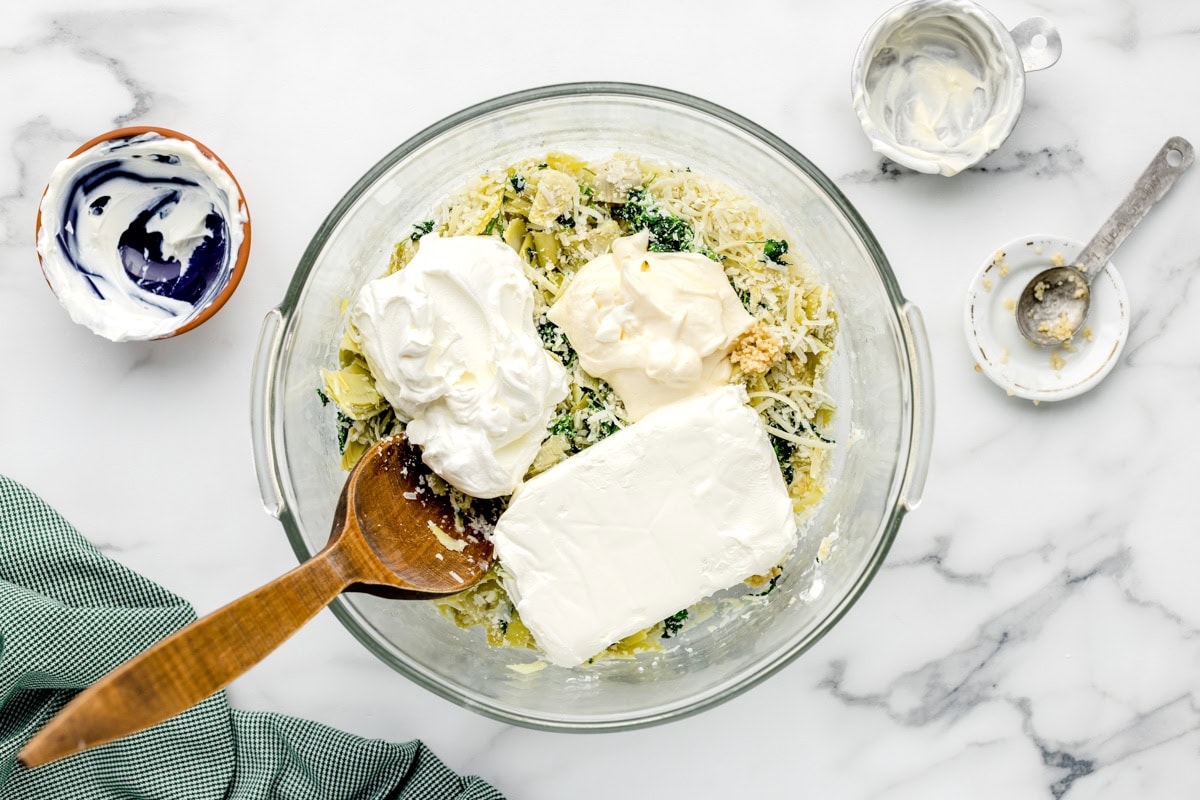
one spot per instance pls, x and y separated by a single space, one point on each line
451 342
657 326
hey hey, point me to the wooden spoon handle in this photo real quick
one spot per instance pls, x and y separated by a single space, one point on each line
191 664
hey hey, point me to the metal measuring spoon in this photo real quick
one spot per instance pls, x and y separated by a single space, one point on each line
1054 305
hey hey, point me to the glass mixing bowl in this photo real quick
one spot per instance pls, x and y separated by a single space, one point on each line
880 378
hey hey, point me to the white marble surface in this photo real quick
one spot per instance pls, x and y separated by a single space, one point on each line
1036 630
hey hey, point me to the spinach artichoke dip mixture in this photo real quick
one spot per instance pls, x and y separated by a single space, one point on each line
615 369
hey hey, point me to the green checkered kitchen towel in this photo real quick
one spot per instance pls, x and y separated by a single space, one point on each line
68 615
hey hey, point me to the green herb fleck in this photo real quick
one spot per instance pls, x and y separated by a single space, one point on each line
491 226
784 450
774 250
344 424
674 623
518 183
503 625
420 229
770 586
324 397
565 221
556 342
808 428
813 431
543 165
586 190
564 425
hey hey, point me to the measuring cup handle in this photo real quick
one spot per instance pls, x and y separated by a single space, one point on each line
1171 161
1038 43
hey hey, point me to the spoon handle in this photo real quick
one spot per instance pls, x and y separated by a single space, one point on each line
1170 162
189 665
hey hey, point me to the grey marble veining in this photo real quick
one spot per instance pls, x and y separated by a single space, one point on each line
1035 631
1048 162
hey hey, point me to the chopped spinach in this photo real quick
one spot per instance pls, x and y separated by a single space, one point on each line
344 424
556 342
783 454
770 586
774 250
810 429
674 623
565 221
324 397
518 183
668 234
491 226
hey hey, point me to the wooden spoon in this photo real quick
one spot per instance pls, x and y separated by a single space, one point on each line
382 541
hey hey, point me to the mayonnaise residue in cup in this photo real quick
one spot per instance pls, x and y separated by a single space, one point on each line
939 92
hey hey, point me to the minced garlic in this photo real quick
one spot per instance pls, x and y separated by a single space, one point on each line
756 350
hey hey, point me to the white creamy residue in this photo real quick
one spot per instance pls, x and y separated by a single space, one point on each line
657 326
139 235
451 343
938 92
685 503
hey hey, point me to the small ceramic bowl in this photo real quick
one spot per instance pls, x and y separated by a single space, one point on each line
938 84
1020 367
142 233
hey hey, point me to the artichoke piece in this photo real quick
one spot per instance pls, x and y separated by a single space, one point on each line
514 234
546 246
556 195
353 389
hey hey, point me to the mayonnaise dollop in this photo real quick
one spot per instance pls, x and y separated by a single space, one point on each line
685 503
139 235
657 326
451 343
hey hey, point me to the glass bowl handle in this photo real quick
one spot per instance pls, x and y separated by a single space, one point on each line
262 415
920 448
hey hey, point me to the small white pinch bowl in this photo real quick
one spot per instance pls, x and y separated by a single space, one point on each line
1021 368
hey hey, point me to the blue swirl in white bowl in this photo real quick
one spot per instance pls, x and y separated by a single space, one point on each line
139 235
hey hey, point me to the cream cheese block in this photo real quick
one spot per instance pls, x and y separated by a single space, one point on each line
684 503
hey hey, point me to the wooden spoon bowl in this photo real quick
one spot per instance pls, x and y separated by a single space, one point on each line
391 534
